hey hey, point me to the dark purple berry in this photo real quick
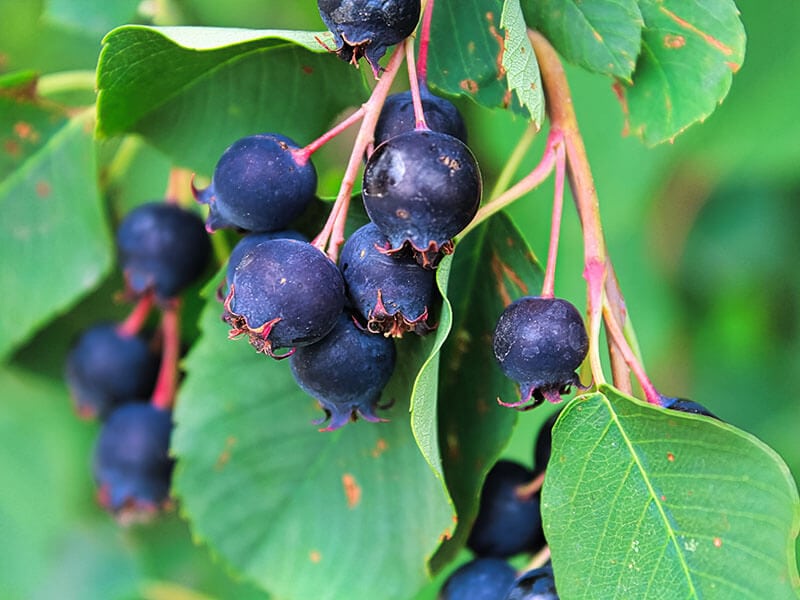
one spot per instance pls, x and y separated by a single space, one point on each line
479 579
544 443
132 466
508 522
539 343
163 248
252 240
259 184
421 188
392 293
284 294
105 368
536 584
397 116
346 372
368 27
687 406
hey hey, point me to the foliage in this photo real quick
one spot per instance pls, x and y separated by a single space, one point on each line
636 501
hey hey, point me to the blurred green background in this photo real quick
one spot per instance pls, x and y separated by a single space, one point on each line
704 234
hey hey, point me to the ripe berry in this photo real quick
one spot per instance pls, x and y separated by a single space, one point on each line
539 343
284 293
162 248
258 185
479 579
421 188
392 293
346 372
252 240
368 27
687 406
536 584
132 467
397 116
105 368
507 523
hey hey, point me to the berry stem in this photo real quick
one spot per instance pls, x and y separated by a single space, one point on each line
178 181
555 228
619 367
522 187
134 322
528 490
167 382
424 43
332 234
419 113
513 162
563 120
538 560
615 331
301 155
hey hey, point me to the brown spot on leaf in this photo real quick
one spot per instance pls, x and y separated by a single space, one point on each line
307 70
717 542
43 189
501 42
709 39
314 556
734 67
12 148
507 95
24 131
225 456
619 92
352 490
597 36
380 447
471 47
670 457
469 85
674 41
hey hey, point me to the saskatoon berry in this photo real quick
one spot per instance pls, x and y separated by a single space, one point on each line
346 372
479 579
687 406
392 293
536 584
105 368
258 185
421 188
507 524
368 27
539 343
284 293
397 116
162 248
132 466
252 240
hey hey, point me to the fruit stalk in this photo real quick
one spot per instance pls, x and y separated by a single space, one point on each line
419 114
134 322
424 42
303 154
332 234
555 228
167 382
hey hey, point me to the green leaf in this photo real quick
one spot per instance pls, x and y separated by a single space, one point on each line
690 52
54 229
302 513
640 502
89 15
466 50
194 90
519 62
495 267
603 36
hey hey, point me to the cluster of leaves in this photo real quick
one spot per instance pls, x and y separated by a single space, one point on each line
673 501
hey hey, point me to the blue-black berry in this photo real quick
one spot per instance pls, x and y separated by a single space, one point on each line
479 579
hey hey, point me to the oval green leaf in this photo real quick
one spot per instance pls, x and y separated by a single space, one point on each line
192 91
690 51
519 62
641 502
303 514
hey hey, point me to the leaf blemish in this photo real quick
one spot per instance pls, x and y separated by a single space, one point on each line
380 447
469 85
709 39
670 457
314 556
717 542
674 41
352 490
43 189
225 455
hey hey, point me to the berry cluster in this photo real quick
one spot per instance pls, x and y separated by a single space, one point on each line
421 186
115 373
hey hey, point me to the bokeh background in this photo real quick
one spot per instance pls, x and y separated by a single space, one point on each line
704 234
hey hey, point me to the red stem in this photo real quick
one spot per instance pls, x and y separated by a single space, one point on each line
419 113
548 286
332 234
167 382
301 155
176 184
134 322
424 44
